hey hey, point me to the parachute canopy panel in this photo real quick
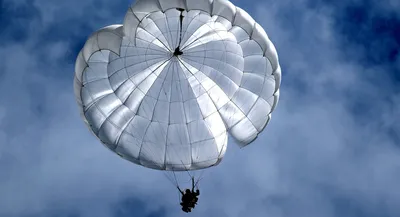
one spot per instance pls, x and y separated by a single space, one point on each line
164 89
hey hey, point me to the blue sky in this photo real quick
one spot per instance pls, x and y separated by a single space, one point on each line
331 149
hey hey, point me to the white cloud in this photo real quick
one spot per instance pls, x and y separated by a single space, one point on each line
314 151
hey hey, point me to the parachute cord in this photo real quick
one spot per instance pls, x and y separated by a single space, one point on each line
187 170
170 179
179 197
177 185
176 180
193 176
200 178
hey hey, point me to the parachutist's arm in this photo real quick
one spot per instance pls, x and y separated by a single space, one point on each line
192 184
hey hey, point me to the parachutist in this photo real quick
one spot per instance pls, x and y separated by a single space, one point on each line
189 198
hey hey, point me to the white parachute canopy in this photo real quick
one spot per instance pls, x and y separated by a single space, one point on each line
164 89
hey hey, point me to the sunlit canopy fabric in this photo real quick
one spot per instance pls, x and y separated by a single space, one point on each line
164 89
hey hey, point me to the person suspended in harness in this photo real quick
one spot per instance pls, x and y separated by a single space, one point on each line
189 198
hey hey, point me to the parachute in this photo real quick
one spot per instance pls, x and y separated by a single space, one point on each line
164 89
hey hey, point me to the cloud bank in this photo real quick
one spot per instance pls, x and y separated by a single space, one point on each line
331 148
